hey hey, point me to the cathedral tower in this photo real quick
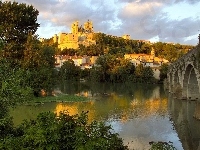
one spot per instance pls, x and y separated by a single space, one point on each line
88 26
74 28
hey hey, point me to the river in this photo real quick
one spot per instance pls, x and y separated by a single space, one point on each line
140 113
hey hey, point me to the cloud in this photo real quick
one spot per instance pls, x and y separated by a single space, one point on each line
147 20
171 2
142 19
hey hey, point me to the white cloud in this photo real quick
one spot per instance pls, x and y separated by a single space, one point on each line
142 19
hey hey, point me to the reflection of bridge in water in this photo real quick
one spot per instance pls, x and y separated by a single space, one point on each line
184 76
186 125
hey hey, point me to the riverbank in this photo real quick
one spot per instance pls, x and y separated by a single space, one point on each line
57 98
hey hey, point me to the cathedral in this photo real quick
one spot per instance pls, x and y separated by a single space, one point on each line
79 35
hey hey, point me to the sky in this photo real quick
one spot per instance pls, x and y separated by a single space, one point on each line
176 21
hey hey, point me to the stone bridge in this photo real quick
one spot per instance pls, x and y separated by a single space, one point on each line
184 76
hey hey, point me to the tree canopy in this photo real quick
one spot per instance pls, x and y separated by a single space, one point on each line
17 21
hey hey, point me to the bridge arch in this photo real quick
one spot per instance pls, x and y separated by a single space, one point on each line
190 83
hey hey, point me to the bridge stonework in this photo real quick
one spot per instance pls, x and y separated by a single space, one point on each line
184 76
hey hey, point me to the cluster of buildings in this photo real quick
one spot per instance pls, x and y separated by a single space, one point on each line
84 62
84 35
88 61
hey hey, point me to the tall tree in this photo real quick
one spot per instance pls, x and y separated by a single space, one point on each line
17 20
39 63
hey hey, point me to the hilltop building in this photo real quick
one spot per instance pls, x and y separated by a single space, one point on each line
78 35
126 37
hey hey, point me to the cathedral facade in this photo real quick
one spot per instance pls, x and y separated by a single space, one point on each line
79 35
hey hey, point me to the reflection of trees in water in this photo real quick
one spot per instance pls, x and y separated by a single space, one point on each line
141 91
186 125
23 112
122 101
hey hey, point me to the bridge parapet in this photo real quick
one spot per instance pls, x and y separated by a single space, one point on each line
188 57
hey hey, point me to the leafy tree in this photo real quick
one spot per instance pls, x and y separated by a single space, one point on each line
145 48
97 74
163 72
69 71
39 64
139 70
85 73
158 47
91 50
112 69
147 75
17 20
170 52
144 74
13 88
66 51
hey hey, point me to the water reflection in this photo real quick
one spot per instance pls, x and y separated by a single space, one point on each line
139 113
187 127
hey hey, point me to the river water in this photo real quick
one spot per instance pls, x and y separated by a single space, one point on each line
140 113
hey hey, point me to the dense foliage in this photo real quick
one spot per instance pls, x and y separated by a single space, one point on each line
163 72
17 21
107 44
39 62
110 68
22 49
13 88
63 132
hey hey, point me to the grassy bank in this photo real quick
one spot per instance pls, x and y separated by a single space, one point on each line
59 98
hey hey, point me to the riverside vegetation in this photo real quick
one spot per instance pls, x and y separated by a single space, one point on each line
27 67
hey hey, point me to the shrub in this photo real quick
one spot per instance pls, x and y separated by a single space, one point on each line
62 132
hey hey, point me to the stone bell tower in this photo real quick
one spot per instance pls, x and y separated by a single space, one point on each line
74 27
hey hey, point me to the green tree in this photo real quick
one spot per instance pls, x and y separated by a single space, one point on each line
145 48
144 74
17 20
70 52
13 87
97 74
163 72
147 75
139 70
158 48
39 64
170 52
69 71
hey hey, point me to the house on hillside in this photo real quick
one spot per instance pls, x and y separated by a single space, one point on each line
81 61
147 60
